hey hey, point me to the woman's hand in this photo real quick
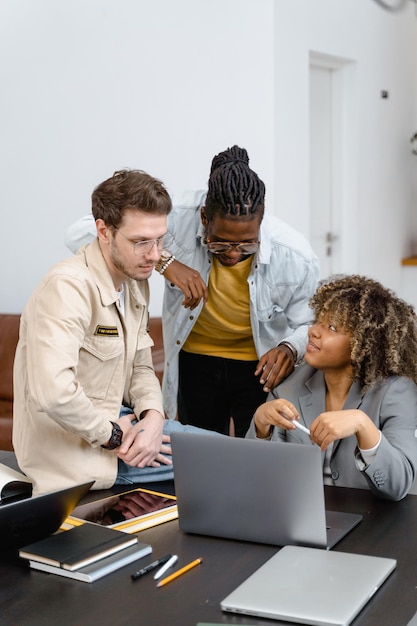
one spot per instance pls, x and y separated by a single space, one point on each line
333 425
278 412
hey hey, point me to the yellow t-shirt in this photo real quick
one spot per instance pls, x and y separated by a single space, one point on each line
223 327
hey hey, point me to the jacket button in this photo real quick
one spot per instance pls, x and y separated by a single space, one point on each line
335 474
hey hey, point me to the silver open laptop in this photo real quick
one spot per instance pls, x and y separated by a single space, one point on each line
254 491
310 586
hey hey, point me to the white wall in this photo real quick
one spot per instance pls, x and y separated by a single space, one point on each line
382 48
90 86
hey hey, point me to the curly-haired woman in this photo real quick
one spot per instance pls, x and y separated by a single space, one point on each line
356 391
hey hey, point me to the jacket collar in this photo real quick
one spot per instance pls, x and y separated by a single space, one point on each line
264 252
314 402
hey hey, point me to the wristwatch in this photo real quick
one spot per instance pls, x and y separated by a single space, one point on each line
165 259
115 437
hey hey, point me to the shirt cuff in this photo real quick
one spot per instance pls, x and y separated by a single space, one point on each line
369 455
268 438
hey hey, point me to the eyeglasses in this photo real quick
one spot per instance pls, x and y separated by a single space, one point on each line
144 247
218 247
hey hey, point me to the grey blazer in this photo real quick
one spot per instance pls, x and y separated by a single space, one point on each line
392 406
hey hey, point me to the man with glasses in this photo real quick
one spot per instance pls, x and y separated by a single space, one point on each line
235 312
84 350
236 323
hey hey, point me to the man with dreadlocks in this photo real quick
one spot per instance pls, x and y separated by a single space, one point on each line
236 323
356 391
235 313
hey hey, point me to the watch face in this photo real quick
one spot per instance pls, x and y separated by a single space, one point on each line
117 435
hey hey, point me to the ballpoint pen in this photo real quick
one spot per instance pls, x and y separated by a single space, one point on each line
300 426
151 566
179 572
296 423
166 567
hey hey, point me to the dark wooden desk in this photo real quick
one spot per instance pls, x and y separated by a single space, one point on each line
388 529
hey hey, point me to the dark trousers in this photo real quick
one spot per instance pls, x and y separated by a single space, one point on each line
212 390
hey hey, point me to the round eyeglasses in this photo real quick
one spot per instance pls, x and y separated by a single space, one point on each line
219 247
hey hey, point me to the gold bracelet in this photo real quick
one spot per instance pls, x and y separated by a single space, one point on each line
164 260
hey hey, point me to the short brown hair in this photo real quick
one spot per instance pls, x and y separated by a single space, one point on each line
127 190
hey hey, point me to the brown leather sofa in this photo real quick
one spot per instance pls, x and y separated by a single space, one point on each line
9 333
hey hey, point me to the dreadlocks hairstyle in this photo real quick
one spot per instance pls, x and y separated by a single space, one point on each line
129 189
383 327
234 190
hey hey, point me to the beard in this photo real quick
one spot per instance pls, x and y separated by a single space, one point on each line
135 272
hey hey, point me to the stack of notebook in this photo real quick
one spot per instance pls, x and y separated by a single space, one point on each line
87 552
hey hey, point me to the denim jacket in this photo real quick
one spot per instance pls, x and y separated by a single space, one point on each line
282 279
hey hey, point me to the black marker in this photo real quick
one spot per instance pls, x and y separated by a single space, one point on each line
151 566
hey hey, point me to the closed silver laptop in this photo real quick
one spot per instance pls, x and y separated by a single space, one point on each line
310 586
254 490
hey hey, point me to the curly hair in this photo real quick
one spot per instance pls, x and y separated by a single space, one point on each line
383 328
234 189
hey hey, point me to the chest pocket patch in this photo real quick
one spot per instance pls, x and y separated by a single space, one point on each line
106 331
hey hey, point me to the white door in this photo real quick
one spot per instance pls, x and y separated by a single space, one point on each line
332 192
323 236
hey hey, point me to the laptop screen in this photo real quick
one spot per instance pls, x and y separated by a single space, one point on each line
32 519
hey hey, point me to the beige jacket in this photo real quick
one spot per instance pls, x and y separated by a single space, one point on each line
76 362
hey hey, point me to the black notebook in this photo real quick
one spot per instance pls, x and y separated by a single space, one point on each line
78 547
98 569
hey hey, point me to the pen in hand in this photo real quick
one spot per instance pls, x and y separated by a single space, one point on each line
296 424
300 426
166 567
151 566
179 572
